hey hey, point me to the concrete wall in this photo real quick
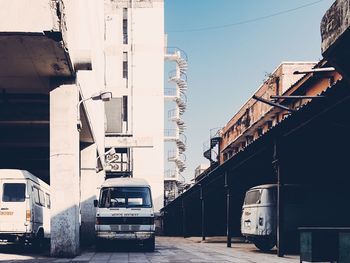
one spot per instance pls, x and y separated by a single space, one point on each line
148 99
85 35
35 16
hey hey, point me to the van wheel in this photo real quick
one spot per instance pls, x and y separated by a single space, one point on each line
265 244
149 244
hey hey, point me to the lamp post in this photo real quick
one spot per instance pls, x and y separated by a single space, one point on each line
102 95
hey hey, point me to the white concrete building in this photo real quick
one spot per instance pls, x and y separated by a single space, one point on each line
134 50
55 55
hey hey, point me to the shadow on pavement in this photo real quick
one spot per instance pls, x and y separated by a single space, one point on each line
25 250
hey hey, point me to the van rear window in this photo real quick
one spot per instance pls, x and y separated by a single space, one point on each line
252 197
14 192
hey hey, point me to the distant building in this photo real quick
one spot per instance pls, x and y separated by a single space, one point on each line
255 118
200 169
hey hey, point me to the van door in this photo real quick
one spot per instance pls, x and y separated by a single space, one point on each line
250 212
38 206
13 205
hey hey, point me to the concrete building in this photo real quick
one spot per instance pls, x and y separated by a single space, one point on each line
256 118
134 52
58 60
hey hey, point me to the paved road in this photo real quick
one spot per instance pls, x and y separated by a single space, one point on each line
168 249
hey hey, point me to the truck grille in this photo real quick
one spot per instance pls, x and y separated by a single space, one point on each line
125 220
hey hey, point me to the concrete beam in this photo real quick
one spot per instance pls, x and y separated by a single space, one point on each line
335 36
64 171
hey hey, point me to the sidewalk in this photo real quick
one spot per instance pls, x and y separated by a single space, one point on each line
168 249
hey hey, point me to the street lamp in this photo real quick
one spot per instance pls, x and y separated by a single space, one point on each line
102 95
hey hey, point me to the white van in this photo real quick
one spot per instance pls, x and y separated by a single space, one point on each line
259 213
125 212
24 207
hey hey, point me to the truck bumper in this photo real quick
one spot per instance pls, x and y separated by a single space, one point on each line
124 235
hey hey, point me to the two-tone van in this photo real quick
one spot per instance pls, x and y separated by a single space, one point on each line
24 207
125 212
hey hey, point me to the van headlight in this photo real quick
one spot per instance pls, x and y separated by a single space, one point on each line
261 221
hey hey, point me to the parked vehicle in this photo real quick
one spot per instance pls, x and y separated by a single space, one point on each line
259 212
24 207
125 212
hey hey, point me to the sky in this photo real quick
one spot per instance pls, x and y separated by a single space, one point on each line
228 64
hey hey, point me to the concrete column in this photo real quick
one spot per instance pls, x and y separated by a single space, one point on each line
90 181
64 171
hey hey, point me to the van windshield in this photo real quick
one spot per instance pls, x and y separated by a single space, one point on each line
13 192
252 197
125 197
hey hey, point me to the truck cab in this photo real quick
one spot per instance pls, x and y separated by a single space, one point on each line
125 212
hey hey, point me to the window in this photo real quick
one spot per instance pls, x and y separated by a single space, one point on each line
252 197
36 196
125 197
125 108
125 65
125 26
14 192
42 197
39 196
48 201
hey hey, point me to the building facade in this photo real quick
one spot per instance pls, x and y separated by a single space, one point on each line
256 118
134 63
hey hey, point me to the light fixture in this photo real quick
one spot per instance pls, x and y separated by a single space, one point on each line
102 95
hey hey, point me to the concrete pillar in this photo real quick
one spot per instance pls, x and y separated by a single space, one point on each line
90 181
64 171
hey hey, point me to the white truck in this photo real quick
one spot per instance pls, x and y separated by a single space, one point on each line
125 212
24 207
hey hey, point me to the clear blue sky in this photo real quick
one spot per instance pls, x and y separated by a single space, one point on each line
227 65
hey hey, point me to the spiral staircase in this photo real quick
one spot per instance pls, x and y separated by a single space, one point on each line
174 182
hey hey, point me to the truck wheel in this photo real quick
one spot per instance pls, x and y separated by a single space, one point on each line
265 244
149 244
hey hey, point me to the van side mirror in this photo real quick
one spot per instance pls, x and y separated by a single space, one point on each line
95 203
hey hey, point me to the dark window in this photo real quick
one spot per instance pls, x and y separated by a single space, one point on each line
125 197
42 197
48 201
252 197
125 65
125 26
14 192
125 108
36 196
39 197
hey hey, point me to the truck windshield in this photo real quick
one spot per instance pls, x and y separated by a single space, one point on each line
14 192
125 197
